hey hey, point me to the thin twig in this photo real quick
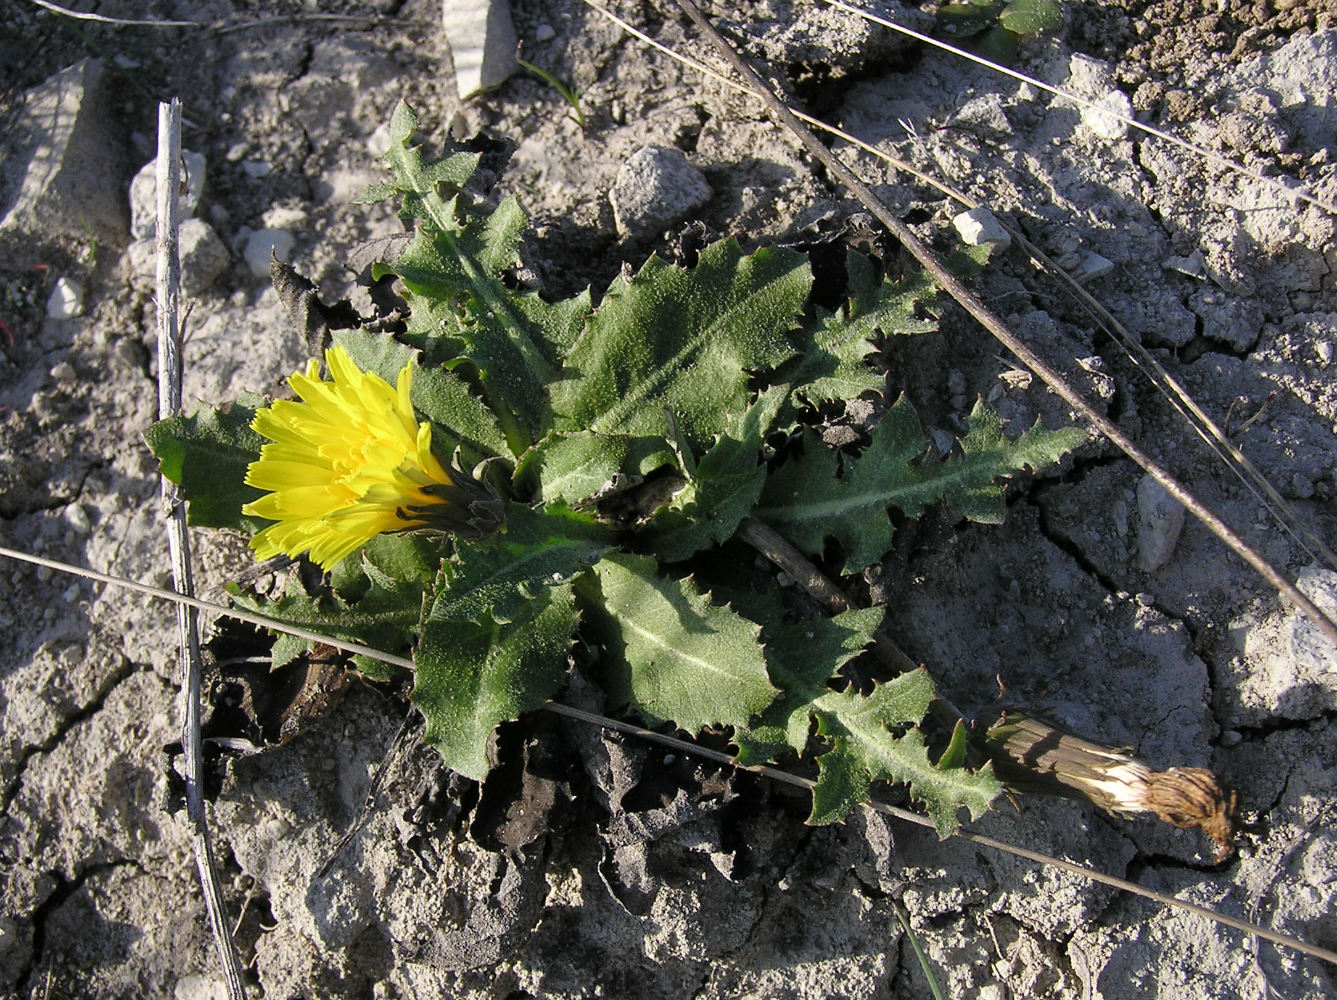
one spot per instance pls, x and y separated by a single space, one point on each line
682 745
986 318
217 27
169 404
80 15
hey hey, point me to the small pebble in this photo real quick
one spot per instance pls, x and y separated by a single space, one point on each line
544 33
1092 266
77 519
978 227
1323 349
1231 738
261 242
1160 520
63 371
1145 600
257 168
66 301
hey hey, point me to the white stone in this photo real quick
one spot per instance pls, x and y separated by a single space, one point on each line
482 42
66 300
1107 117
259 245
978 227
281 217
1160 519
544 32
257 168
144 193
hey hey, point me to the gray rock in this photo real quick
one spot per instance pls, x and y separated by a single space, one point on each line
144 193
1310 647
482 42
261 242
978 227
203 256
985 117
62 177
1091 265
1160 519
1303 75
655 188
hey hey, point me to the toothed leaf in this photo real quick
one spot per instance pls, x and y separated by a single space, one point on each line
470 677
685 339
496 578
673 655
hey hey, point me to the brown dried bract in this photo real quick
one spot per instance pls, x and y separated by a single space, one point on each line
1031 754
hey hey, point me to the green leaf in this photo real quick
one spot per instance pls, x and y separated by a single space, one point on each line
1031 17
454 273
459 418
801 658
723 489
574 467
496 578
207 454
384 616
969 481
452 279
415 179
834 365
870 737
961 20
471 677
998 45
808 503
682 339
673 655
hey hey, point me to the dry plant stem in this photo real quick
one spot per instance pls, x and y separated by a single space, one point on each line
683 746
1216 439
169 404
971 303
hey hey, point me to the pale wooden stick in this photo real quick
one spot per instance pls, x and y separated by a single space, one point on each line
169 404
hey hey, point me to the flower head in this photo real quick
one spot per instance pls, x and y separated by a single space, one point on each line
351 460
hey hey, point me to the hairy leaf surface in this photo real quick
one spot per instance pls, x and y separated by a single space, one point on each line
470 677
682 338
871 737
722 489
497 577
672 654
207 454
834 365
808 502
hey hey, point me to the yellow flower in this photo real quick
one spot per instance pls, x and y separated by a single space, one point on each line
350 461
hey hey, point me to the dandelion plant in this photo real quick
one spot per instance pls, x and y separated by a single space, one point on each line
504 476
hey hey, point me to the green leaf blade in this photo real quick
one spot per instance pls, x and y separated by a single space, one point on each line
496 578
682 339
675 656
207 454
471 677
